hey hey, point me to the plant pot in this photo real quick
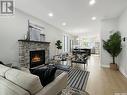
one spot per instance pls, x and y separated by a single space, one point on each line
113 66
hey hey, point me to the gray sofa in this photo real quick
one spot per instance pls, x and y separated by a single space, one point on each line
16 82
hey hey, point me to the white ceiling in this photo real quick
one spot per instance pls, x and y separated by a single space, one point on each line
76 13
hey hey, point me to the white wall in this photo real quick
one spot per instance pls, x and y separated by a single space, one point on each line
120 24
13 28
107 26
123 55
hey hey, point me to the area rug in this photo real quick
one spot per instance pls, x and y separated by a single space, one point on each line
77 79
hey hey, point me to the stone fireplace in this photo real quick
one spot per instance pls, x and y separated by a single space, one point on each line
31 52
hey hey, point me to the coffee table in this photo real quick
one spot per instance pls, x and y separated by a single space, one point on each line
61 65
71 91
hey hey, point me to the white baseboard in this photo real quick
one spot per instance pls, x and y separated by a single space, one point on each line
123 73
108 66
105 66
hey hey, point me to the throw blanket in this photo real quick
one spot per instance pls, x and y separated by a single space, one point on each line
77 79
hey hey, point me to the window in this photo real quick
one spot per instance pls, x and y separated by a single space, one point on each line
65 43
71 45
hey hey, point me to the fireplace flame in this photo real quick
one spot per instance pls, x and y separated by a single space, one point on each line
36 58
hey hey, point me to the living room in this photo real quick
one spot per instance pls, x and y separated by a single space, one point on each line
79 26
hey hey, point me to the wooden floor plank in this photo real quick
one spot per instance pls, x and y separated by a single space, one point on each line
103 81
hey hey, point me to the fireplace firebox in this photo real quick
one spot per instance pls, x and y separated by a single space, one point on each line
37 58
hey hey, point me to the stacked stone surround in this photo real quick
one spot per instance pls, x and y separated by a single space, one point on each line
26 46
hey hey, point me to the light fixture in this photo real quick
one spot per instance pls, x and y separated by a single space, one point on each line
93 18
50 14
92 2
64 24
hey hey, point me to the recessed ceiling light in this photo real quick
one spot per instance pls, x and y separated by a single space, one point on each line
50 14
94 18
64 23
92 2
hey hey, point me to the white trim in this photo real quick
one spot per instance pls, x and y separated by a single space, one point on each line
105 65
123 73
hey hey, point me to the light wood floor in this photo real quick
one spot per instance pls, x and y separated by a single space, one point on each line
103 81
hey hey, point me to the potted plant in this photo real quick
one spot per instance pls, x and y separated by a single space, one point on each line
58 45
113 47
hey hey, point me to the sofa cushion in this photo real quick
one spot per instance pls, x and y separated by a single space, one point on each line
3 70
25 80
56 86
9 88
